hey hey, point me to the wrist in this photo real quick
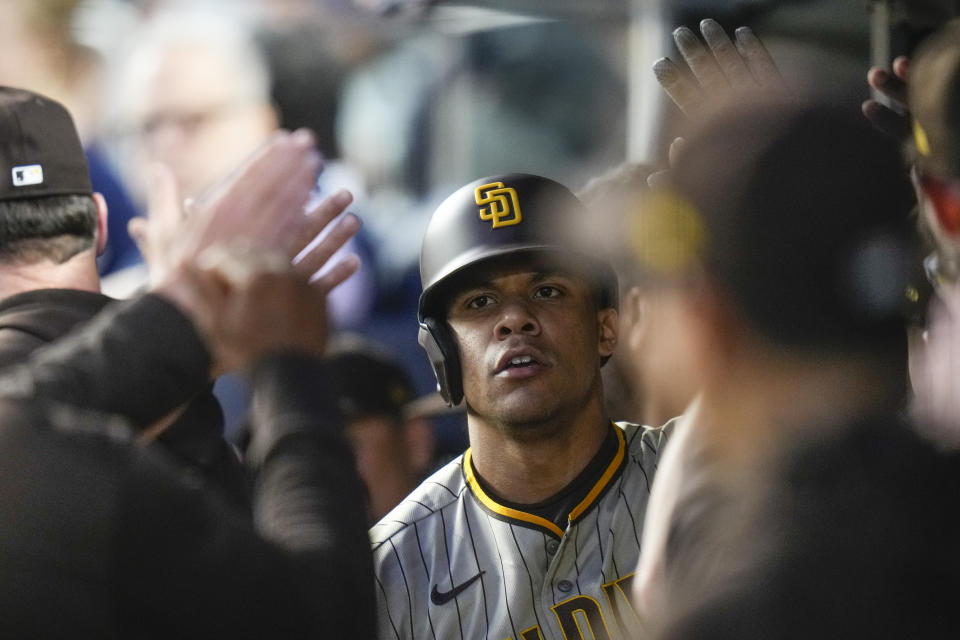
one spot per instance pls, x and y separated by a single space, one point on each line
186 290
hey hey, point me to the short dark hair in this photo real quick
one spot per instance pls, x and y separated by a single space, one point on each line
804 214
46 228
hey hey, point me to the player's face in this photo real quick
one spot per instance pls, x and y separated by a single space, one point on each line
530 343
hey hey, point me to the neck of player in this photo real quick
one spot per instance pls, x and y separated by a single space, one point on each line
78 272
529 463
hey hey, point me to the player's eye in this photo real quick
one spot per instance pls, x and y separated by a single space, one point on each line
547 291
479 301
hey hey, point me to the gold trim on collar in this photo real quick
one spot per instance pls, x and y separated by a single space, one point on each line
530 518
498 508
604 479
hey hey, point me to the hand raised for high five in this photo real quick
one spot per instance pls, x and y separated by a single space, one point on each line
894 121
228 263
720 70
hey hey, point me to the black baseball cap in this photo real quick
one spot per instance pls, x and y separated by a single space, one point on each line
40 151
366 381
803 221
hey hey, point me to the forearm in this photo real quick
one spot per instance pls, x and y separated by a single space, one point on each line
308 495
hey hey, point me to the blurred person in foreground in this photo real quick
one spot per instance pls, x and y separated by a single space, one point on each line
651 377
122 543
929 85
394 450
52 227
798 274
854 534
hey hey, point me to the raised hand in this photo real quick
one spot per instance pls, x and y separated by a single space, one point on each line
893 121
720 70
241 259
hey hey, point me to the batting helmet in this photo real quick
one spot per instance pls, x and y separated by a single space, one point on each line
487 219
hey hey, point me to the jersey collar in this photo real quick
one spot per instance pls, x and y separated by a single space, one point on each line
523 518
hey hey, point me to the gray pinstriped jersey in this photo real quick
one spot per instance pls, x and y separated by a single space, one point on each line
452 563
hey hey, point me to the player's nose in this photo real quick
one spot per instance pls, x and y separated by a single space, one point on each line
516 317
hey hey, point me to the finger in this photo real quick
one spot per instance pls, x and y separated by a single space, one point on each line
163 195
321 216
700 60
286 171
137 230
316 255
888 84
268 155
684 93
261 172
337 274
262 199
726 54
901 68
282 215
658 179
676 148
887 120
759 60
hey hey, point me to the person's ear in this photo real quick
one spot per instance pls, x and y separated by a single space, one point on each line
635 319
607 322
101 239
630 308
943 199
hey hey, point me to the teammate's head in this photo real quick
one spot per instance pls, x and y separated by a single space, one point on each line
935 106
499 224
48 211
393 451
651 377
802 216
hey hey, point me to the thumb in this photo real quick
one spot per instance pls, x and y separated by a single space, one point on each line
163 195
137 229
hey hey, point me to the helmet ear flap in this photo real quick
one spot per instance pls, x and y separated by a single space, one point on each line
437 340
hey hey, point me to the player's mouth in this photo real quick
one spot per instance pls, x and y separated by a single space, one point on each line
520 363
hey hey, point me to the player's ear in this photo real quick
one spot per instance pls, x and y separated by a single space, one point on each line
942 198
634 319
101 240
608 321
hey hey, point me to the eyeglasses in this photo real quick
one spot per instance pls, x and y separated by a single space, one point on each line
188 122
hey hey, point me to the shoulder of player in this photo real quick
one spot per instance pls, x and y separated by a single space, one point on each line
438 491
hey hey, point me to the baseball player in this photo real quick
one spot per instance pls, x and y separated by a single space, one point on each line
533 533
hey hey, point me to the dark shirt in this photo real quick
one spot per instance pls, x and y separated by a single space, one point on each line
851 533
104 538
33 319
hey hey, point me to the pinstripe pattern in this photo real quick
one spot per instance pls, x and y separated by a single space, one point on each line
442 536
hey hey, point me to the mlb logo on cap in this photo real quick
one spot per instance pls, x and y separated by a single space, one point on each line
39 148
27 175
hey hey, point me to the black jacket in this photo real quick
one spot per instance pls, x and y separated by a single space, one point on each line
32 319
105 538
